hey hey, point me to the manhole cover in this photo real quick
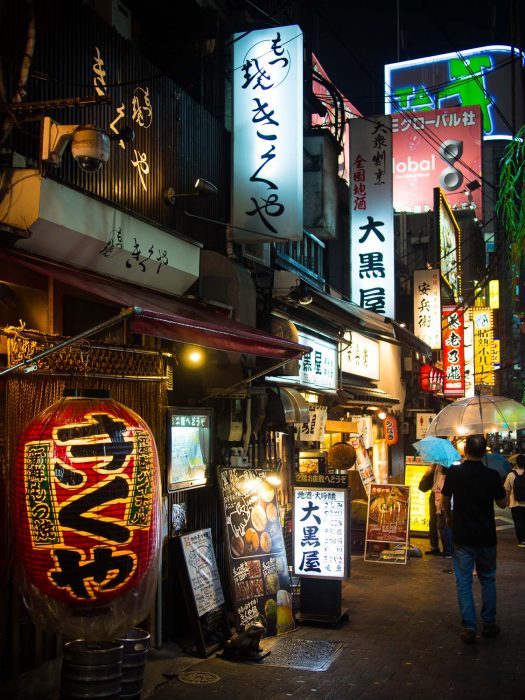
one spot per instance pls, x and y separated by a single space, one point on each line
198 677
311 655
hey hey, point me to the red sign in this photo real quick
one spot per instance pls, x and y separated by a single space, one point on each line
390 430
88 510
437 148
453 335
430 379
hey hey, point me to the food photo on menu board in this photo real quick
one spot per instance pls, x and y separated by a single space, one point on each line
257 557
388 513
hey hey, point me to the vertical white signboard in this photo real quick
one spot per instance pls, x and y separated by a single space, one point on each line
268 135
427 307
372 215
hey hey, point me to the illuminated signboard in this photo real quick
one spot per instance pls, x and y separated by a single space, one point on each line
453 352
483 346
469 355
268 135
419 507
360 356
436 148
372 215
448 234
427 307
319 527
494 294
483 76
318 368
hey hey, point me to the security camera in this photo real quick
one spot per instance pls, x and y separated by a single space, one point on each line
89 145
90 148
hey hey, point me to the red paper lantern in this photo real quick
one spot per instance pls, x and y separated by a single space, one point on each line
87 499
390 430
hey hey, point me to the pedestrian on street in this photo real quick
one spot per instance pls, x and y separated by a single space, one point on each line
445 533
425 485
474 488
515 499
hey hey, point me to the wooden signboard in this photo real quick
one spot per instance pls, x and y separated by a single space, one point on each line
260 580
202 590
387 534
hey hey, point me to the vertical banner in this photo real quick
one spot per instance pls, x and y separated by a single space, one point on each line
468 328
427 307
362 462
453 352
268 135
259 574
372 215
482 320
313 430
319 526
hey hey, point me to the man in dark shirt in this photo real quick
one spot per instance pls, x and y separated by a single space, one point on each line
471 488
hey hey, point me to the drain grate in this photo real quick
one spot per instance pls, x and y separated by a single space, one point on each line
307 654
198 677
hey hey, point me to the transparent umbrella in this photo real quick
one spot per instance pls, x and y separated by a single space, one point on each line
478 415
438 450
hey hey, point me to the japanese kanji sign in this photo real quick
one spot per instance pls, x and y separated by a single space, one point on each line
372 215
319 526
453 352
483 346
268 135
427 307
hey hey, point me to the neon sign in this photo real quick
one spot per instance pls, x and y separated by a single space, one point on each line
481 76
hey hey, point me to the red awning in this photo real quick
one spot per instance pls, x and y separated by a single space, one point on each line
162 316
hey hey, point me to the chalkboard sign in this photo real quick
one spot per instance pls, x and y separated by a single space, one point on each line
202 590
258 566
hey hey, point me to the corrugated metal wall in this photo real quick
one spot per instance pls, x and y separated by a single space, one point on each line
176 139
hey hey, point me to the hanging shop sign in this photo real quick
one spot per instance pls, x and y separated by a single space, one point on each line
364 429
448 233
468 332
318 369
372 215
319 526
268 135
390 430
360 356
87 512
453 352
362 462
427 307
483 325
479 76
387 523
434 148
314 429
258 567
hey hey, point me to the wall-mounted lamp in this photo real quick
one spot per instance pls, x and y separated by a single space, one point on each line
89 145
381 415
202 188
300 294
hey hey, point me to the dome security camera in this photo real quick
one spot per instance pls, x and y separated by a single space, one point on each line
90 148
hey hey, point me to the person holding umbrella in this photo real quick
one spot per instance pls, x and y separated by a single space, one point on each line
474 488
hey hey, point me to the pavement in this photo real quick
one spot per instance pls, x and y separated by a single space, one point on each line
401 641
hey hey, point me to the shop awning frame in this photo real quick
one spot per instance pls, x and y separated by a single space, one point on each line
151 313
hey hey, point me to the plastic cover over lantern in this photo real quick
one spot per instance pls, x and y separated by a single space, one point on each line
88 516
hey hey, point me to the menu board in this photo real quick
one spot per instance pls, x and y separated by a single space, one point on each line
387 522
199 556
319 527
259 574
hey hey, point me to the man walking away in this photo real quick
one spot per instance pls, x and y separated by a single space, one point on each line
474 488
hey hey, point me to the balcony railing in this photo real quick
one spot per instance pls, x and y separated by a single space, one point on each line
305 256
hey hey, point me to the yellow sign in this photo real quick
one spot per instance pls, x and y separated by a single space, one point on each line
419 513
494 294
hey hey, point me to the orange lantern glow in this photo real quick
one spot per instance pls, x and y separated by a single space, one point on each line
390 430
87 496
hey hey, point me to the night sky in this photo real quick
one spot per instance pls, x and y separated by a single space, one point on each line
360 37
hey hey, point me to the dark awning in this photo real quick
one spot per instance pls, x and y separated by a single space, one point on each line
357 395
172 318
